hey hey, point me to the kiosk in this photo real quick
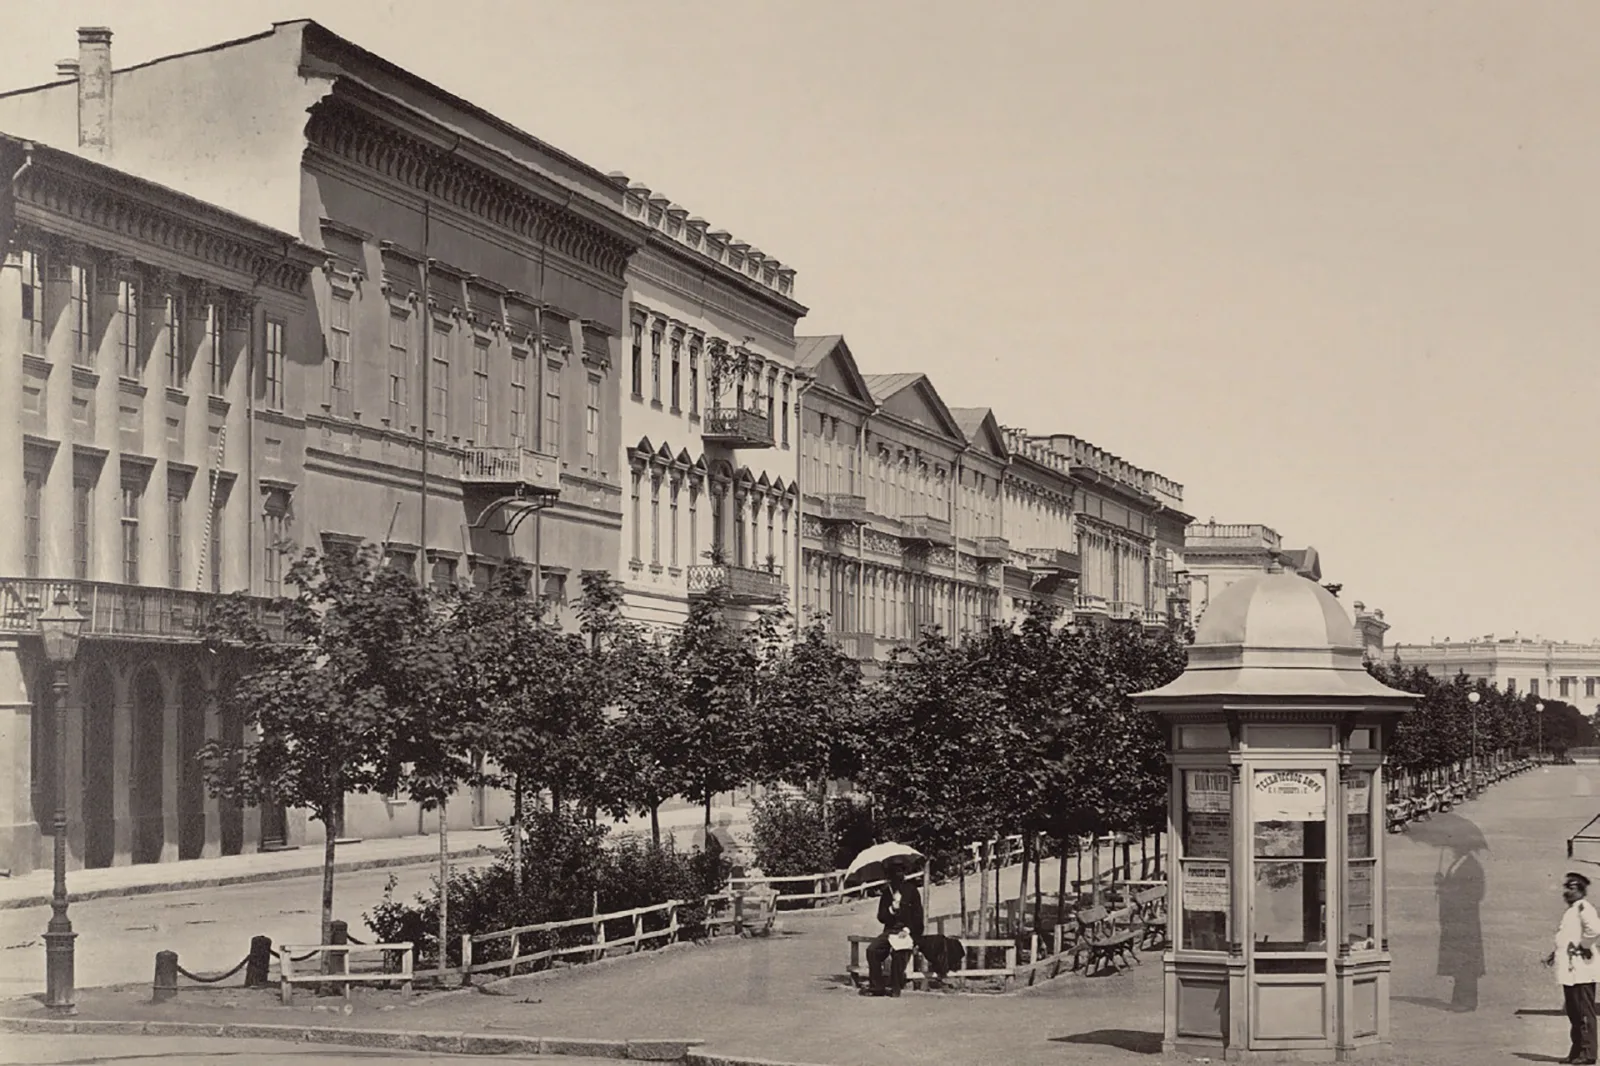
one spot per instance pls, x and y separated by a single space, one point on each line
1276 735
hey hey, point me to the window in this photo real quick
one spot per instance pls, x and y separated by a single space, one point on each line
1565 692
483 575
172 337
694 521
82 510
33 310
655 521
638 361
274 541
399 366
785 414
32 491
655 367
1533 686
78 299
519 397
552 409
216 330
638 517
673 558
591 426
130 534
1511 686
444 573
339 356
1291 852
175 496
480 392
128 326
273 364
1207 854
439 383
214 537
1360 919
694 377
677 346
1588 688
772 399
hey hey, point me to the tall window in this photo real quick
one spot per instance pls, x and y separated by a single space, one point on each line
82 510
214 548
591 426
638 360
78 300
480 392
772 398
439 383
339 356
175 494
785 414
519 397
552 409
128 326
130 534
655 521
1533 686
694 521
274 540
273 364
172 338
676 485
1291 859
638 516
216 330
1361 928
1564 690
655 366
677 346
399 367
694 377
32 491
33 302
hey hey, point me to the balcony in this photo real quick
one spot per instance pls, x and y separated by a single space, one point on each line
858 646
731 427
991 549
1155 620
124 612
1124 611
740 586
922 531
1090 604
841 507
1053 562
512 471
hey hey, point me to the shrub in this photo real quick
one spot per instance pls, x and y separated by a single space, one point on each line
790 835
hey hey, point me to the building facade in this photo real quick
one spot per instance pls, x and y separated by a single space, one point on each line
710 419
1036 521
1216 554
901 529
451 388
1548 668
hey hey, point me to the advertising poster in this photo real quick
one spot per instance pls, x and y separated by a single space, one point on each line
1360 901
1291 796
1358 795
1208 835
1206 887
1208 790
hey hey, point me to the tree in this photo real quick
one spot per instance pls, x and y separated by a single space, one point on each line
808 713
714 665
316 703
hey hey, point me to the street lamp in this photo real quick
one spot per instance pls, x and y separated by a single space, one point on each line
60 626
1538 722
1473 698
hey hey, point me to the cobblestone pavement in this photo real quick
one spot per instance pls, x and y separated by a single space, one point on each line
785 998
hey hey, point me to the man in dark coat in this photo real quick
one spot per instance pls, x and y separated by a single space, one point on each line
900 912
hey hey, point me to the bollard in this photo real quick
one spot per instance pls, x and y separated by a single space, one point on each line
259 964
166 982
338 961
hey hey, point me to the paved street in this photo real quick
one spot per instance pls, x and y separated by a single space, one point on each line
202 1051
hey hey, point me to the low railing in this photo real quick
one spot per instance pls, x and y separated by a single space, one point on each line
511 466
288 977
841 507
1054 559
113 610
741 584
994 548
1155 619
925 528
1088 602
737 427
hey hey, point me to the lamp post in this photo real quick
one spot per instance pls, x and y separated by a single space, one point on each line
1538 724
1472 699
60 626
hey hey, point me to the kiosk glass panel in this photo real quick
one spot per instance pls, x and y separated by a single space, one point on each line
1207 854
1290 843
1360 879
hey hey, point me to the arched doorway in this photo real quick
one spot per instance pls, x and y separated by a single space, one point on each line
99 746
230 730
191 776
147 773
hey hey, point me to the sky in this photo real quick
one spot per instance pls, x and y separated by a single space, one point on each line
1334 266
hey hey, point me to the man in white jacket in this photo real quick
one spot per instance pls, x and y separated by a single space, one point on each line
1577 945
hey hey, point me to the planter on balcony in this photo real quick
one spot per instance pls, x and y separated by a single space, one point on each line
732 427
740 585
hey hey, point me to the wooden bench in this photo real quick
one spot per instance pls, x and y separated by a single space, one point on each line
919 973
1150 913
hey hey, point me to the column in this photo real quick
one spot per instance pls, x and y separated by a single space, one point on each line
170 769
76 839
121 766
19 833
213 844
11 380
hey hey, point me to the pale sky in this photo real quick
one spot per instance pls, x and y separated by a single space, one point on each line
1334 266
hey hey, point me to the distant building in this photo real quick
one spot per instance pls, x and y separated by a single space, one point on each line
1218 554
1042 541
1371 627
1548 668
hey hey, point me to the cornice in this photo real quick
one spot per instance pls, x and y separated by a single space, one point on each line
364 128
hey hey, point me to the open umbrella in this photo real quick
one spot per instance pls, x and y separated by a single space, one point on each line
873 863
1450 832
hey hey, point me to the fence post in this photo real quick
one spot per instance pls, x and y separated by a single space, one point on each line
256 970
466 959
339 961
672 922
286 975
638 931
738 914
599 940
166 982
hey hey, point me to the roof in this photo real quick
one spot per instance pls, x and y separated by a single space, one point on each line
970 419
884 386
810 351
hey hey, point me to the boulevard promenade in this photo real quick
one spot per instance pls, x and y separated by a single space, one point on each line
785 998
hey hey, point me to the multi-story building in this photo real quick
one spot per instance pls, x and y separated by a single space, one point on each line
901 527
1036 521
455 373
1125 520
1371 627
710 420
145 339
1217 554
1549 668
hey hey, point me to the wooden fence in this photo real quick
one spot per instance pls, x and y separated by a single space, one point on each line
288 977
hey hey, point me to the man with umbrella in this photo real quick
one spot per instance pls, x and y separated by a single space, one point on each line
899 912
1576 966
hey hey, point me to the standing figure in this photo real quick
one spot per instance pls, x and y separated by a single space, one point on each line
1461 889
900 912
1576 966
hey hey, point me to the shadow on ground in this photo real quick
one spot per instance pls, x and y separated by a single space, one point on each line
1140 1043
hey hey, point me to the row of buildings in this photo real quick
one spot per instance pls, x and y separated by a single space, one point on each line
280 293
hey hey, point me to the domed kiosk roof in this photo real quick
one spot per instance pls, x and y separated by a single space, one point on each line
1276 634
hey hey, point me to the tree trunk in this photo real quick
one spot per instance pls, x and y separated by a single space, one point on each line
328 845
655 824
1144 857
1157 870
1038 861
983 888
961 882
997 862
516 833
1061 884
1094 842
1022 888
444 883
708 810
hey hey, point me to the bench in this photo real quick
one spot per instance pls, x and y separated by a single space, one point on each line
919 973
1150 913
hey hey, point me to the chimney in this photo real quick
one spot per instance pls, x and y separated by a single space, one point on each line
67 68
94 91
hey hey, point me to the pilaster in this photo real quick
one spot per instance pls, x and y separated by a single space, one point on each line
76 840
213 806
121 768
19 833
171 771
11 382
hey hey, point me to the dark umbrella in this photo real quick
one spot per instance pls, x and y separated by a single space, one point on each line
1449 831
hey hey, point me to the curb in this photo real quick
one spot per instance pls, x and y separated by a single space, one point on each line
177 885
461 1043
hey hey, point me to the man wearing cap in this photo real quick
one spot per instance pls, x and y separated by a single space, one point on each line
1576 964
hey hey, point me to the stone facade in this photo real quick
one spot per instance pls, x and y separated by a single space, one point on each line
1217 554
1549 668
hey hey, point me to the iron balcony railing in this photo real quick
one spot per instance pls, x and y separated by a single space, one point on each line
736 428
841 507
925 529
133 612
529 471
740 584
1054 560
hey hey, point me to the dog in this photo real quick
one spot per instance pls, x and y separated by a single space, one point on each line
942 953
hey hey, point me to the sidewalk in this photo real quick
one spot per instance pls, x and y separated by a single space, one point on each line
33 890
